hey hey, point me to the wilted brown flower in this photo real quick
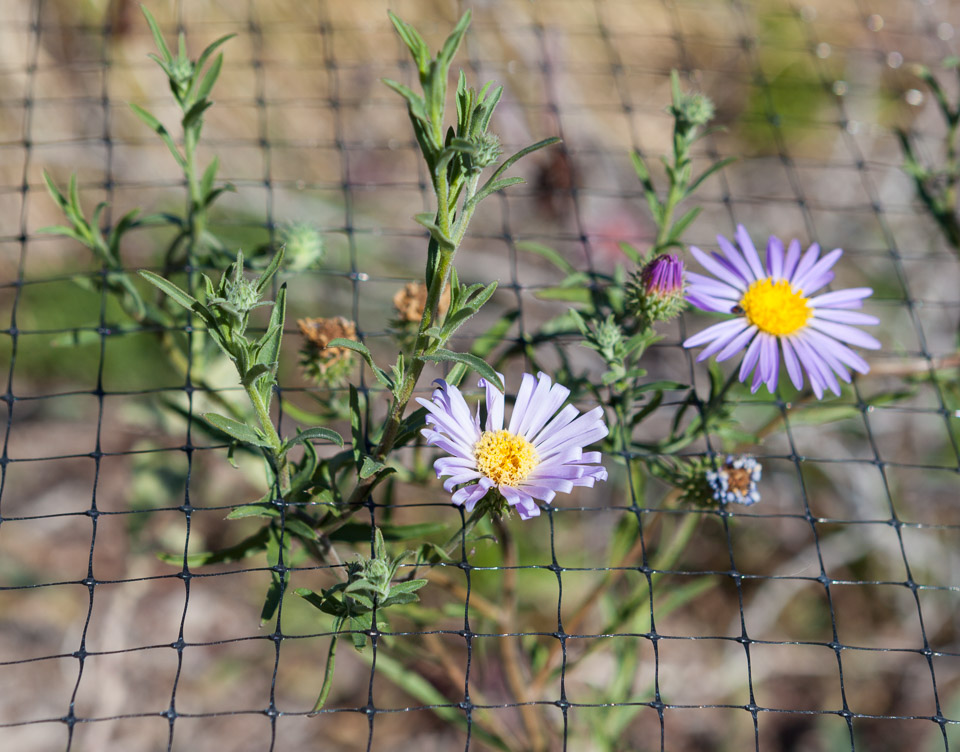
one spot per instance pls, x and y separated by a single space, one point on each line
410 301
316 357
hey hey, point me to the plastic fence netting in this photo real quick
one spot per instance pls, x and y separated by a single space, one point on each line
822 618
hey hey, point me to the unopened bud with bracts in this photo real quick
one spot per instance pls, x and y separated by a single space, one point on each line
303 244
242 295
693 109
488 150
655 293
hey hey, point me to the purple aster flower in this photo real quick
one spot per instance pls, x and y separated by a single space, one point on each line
538 454
778 315
663 275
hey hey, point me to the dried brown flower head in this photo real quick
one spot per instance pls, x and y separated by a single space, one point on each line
316 357
410 301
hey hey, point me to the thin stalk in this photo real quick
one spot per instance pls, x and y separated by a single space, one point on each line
276 443
196 214
513 656
674 196
438 284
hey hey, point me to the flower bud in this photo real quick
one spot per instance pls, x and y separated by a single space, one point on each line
693 110
181 72
242 295
303 246
656 293
488 150
608 335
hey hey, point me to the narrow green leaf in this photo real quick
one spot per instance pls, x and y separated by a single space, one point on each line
300 528
549 254
400 599
471 361
359 532
235 429
209 78
370 467
209 175
271 269
157 127
269 350
406 586
709 171
254 510
451 323
410 428
55 193
569 294
426 219
217 192
492 186
661 386
193 115
631 253
415 103
255 372
66 232
680 226
418 48
650 193
486 342
242 550
520 155
310 597
272 599
361 348
327 676
211 48
157 36
815 416
317 432
452 43
170 289
356 423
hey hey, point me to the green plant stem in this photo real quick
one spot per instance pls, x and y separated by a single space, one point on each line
441 276
674 196
276 443
196 213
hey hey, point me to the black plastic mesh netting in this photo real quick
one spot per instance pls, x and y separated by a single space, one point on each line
823 618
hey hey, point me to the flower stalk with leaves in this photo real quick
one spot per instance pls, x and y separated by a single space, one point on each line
456 158
937 186
191 83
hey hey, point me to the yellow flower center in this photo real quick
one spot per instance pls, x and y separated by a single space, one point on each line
505 458
774 308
